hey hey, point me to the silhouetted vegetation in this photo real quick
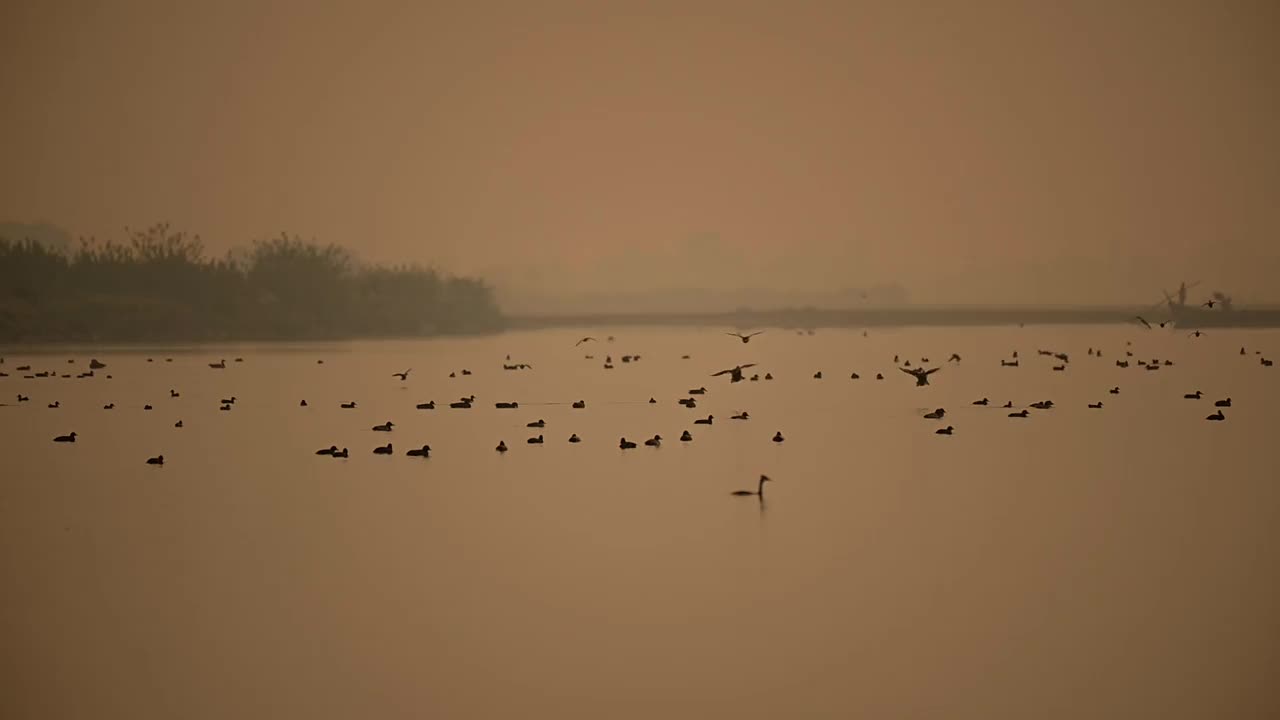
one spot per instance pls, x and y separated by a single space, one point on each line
159 285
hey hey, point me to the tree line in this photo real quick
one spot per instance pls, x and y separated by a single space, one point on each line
160 285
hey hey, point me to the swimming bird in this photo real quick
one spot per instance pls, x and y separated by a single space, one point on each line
1007 405
1096 406
1267 363
817 375
1115 390
146 407
745 338
1196 333
652 401
342 453
384 427
585 339
735 373
625 444
879 376
461 404
740 416
759 491
1216 416
426 405
983 401
69 438
109 406
655 441
424 451
220 365
225 407
402 375
1043 405
349 405
178 424
302 404
698 391
535 440
854 376
327 451
1008 363
1019 414
466 371
688 402
502 446
574 438
705 421
1192 396
768 376
229 401
507 405
944 431
537 423
579 404
686 437
55 404
1223 403
384 450
920 374
157 460
936 414
777 437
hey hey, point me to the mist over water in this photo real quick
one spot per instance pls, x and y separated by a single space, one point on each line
1099 563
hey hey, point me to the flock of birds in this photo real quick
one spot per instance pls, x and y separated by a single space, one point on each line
919 372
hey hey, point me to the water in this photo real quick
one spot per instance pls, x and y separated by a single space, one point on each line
1081 563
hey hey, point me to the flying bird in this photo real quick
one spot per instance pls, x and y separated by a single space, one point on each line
920 374
585 339
402 375
745 338
1143 320
734 373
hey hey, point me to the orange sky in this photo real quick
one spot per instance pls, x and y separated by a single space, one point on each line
973 151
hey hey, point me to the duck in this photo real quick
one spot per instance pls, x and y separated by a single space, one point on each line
68 438
146 407
817 375
983 401
327 451
1007 405
944 431
502 446
109 406
537 423
461 404
777 437
1115 390
225 407
698 391
424 451
239 359
705 421
349 405
1223 403
95 365
229 401
220 365
1008 363
758 492
625 444
740 416
768 376
507 405
1095 406
879 376
652 401
157 460
1266 363
854 376
1216 416
174 393
55 404
426 405
936 414
302 404
1019 414
688 402
384 427
466 371
1192 396
1059 368
755 378
655 441
574 438
178 424
384 450
1043 405
579 404
535 440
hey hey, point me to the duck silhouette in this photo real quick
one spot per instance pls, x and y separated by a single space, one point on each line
705 421
342 454
983 401
936 414
655 441
157 460
1216 416
625 444
944 431
1223 403
507 405
686 437
502 446
758 492
384 450
537 423
426 405
1019 414
424 451
220 365
579 404
535 440
327 451
740 416
1192 396
384 427
68 438
348 405
574 438
178 424
777 437
1095 406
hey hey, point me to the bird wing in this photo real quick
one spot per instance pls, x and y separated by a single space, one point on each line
722 372
758 332
744 367
912 372
930 372
1143 321
733 334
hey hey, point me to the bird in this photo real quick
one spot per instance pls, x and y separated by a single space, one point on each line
535 440
817 375
402 375
955 357
652 401
55 404
174 393
735 373
1115 390
1096 406
944 431
698 391
1209 303
69 438
157 460
574 438
424 451
655 441
537 423
983 401
302 404
1143 320
342 454
1216 416
109 406
327 451
384 450
580 404
936 414
146 407
585 339
759 491
1019 414
426 405
920 374
507 405
384 427
745 338
1192 396
178 424
741 416
854 376
625 444
705 421
225 407
1196 333
502 446
686 437
461 404
229 401
220 365
777 437
1223 403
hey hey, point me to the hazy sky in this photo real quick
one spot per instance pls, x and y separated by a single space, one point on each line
974 151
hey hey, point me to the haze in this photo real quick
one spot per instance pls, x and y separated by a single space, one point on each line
975 152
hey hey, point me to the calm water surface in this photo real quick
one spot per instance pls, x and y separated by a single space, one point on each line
1113 563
